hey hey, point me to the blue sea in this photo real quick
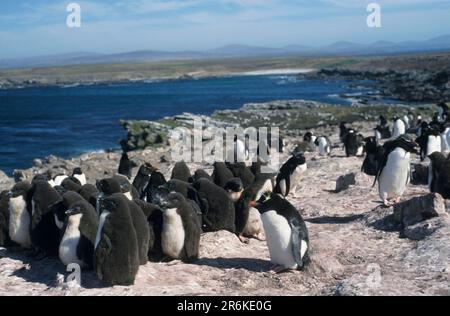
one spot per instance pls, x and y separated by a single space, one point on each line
67 121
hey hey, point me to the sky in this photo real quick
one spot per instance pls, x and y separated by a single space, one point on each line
38 27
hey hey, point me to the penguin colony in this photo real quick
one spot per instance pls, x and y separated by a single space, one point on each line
118 224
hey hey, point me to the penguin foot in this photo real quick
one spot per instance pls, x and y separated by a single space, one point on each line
397 200
261 236
386 203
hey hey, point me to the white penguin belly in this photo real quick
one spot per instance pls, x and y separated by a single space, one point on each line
395 174
360 151
323 148
70 240
445 148
59 179
377 136
81 178
434 144
19 222
100 227
399 129
172 235
128 195
296 176
279 239
254 224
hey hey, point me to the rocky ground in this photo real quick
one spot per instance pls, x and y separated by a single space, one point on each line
358 247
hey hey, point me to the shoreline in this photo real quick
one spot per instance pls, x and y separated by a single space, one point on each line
196 75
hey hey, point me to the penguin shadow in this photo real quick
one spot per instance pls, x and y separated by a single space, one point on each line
254 265
46 270
334 219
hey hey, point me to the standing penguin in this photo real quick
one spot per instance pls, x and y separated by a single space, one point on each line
324 145
218 208
156 180
5 241
90 193
353 143
198 174
429 141
20 214
394 171
116 256
79 175
374 155
143 176
399 127
289 176
45 234
180 235
181 172
240 170
221 174
79 232
126 165
437 160
286 232
142 231
248 220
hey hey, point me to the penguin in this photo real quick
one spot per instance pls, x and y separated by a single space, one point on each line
310 138
240 170
394 171
45 235
405 120
79 233
429 141
289 175
5 241
221 174
181 172
116 255
20 214
109 186
153 213
218 208
324 145
353 143
198 174
126 187
156 180
142 231
186 189
286 232
437 160
441 183
445 132
399 127
71 184
60 207
90 193
181 229
374 155
126 165
143 176
79 175
234 187
382 133
57 180
344 128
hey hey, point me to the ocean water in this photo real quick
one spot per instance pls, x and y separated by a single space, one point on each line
67 121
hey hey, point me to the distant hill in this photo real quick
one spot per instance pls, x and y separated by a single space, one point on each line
342 48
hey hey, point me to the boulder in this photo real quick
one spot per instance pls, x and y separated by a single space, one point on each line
424 229
5 182
345 181
419 209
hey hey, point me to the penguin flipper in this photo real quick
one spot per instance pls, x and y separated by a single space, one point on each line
300 241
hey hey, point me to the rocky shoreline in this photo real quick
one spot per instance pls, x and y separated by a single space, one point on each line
405 85
358 247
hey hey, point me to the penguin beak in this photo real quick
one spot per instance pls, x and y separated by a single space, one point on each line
71 211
